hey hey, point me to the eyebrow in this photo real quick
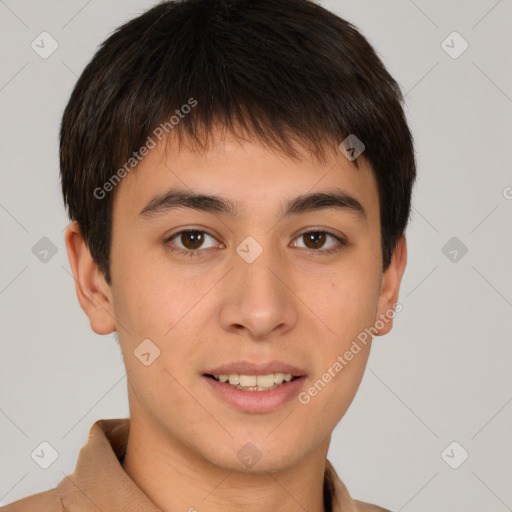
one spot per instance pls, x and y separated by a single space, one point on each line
178 198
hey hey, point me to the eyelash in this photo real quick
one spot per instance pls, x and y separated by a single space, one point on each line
198 252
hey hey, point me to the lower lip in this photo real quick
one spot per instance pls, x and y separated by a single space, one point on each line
256 401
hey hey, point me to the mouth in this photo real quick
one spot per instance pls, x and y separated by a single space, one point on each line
244 382
255 388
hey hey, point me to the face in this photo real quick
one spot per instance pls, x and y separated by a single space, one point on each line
276 286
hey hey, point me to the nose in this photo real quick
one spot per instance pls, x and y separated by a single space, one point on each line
258 299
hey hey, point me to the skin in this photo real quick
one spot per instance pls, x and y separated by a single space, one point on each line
290 304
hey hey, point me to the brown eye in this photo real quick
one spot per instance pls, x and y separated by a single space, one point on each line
315 239
190 240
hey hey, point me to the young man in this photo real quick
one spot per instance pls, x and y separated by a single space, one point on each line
238 174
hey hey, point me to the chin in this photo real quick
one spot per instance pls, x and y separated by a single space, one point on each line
258 453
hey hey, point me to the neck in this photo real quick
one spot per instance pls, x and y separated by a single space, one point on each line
176 478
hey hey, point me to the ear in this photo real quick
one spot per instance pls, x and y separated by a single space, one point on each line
93 292
390 287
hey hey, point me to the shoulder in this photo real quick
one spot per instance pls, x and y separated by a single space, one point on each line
48 501
362 506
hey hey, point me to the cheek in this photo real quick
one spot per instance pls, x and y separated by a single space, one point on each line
346 299
167 306
342 388
147 296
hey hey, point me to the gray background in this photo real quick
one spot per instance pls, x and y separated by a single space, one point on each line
442 375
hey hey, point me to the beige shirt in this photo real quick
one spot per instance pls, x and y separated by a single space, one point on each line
99 482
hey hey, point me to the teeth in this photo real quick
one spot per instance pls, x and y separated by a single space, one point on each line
255 382
234 379
247 380
265 381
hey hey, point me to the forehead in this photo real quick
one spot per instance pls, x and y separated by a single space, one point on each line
250 176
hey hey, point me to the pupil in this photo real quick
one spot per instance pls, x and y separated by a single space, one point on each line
318 239
193 239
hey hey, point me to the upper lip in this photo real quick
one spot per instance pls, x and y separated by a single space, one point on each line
248 368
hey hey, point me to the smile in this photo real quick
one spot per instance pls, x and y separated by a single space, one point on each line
254 382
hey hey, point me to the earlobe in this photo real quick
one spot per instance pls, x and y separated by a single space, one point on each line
390 288
93 292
